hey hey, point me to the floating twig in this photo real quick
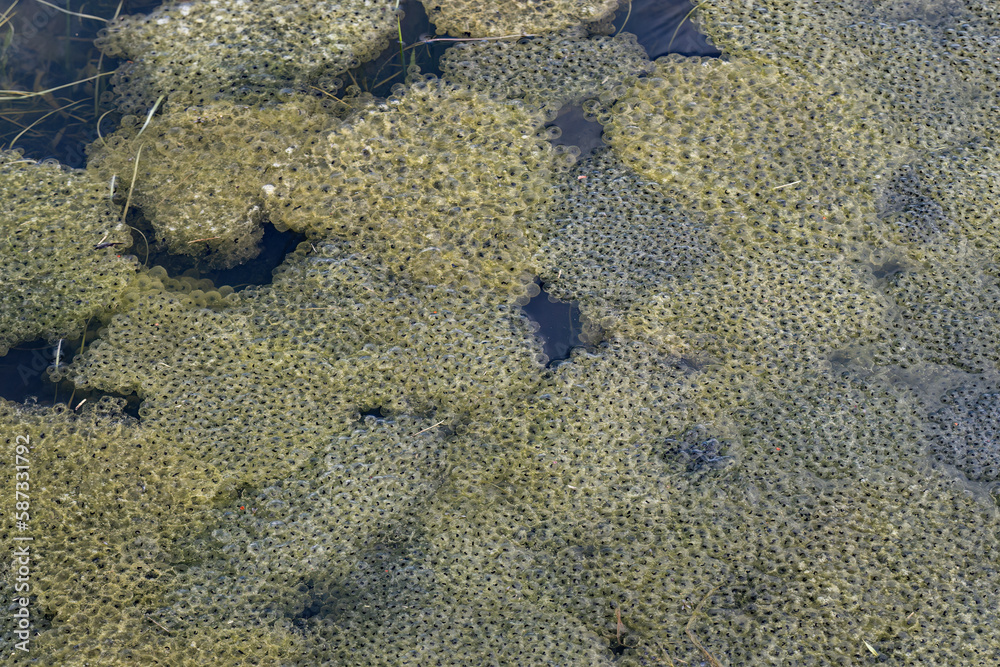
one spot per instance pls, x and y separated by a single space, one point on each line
690 633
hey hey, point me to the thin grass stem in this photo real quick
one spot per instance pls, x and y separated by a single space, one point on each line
40 119
471 39
686 17
66 11
12 95
149 116
627 17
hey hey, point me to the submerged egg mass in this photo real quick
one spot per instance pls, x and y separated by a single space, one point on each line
755 459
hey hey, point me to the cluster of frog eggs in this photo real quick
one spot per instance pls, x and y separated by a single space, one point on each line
932 86
197 52
513 17
649 266
440 180
197 173
62 252
965 431
728 131
549 71
115 526
711 490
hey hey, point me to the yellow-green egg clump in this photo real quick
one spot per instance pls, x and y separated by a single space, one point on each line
62 250
548 71
268 373
198 173
776 283
932 66
198 52
441 181
111 516
513 17
728 131
774 446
